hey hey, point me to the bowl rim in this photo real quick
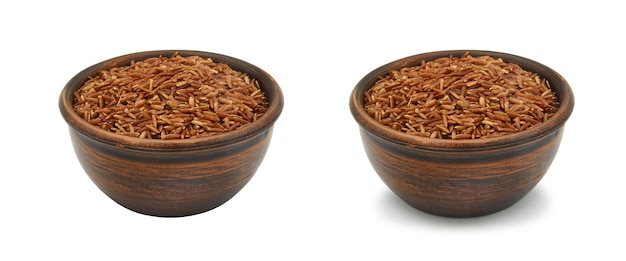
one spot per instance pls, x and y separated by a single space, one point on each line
267 83
557 83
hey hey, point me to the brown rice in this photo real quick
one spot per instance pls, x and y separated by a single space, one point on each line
461 98
170 98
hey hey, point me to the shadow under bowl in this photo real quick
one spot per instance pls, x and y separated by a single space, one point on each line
171 178
462 178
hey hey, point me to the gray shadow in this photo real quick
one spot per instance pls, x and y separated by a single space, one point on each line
529 208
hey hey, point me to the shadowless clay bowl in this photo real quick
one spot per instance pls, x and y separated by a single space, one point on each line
462 178
171 178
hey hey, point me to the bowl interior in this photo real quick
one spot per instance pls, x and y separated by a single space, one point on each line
266 82
557 82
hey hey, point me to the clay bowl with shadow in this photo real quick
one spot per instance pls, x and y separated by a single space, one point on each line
462 178
171 178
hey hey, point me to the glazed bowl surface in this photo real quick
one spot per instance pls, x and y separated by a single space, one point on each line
171 178
462 178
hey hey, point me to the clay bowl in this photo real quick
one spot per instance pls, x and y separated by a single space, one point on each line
171 178
462 178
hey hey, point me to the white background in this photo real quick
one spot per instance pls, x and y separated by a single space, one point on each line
315 197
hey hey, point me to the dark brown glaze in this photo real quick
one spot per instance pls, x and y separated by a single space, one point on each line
462 178
172 178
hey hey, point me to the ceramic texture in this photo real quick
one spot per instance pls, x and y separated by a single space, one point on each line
172 178
462 178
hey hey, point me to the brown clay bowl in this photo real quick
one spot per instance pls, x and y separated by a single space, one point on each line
171 178
462 178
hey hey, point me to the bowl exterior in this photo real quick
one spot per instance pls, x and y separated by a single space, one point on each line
461 183
171 177
463 178
171 183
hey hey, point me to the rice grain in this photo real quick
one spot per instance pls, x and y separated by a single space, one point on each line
170 98
461 98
